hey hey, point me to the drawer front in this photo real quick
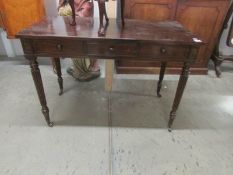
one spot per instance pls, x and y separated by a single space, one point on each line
112 49
164 51
64 47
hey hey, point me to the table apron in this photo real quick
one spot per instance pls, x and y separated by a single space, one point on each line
119 50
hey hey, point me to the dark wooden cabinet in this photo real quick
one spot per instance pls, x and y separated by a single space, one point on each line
202 17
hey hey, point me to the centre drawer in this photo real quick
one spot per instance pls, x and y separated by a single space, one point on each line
119 49
59 47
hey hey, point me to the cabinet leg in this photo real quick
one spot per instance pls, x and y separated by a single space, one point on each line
57 65
161 76
179 92
40 89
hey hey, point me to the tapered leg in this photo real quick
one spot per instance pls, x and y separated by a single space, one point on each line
71 3
105 14
102 14
40 89
101 5
161 75
217 63
57 65
122 12
179 92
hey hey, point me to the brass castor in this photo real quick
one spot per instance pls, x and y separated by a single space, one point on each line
51 124
61 92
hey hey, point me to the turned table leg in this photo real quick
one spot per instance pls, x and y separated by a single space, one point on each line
179 92
39 87
57 65
161 76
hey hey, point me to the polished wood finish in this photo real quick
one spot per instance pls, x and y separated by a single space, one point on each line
152 10
17 15
57 47
217 57
35 71
205 19
202 17
137 40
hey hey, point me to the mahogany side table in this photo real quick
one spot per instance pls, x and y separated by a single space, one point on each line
161 41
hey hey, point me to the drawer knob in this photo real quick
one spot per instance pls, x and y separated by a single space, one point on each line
59 47
163 50
111 49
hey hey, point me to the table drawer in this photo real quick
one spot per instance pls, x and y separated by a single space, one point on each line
112 49
64 47
164 51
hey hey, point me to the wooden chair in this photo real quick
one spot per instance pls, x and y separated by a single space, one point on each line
217 56
102 14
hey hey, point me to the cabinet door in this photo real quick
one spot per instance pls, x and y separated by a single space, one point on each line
205 19
18 14
152 10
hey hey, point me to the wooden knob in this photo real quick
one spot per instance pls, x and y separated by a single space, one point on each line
111 49
59 47
163 50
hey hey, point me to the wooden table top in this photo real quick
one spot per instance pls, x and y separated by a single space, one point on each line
87 28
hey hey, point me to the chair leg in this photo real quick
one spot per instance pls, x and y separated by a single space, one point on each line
102 14
71 3
122 12
217 63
